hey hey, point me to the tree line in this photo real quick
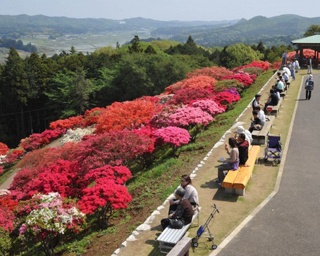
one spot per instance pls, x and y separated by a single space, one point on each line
38 89
17 44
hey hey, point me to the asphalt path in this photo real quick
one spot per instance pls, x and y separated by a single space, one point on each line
289 224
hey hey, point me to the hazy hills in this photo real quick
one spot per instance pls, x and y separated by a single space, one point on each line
55 34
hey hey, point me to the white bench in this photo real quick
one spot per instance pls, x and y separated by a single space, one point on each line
170 237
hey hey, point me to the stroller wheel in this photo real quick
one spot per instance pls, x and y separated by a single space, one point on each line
195 244
214 246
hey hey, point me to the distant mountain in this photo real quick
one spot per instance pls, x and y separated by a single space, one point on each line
271 31
24 24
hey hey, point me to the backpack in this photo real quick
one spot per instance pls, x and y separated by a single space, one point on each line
309 85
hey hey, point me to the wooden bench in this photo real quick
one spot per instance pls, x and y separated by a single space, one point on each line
245 172
231 177
170 237
259 137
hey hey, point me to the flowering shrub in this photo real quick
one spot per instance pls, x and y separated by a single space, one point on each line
51 217
7 206
225 84
3 148
189 116
215 72
265 65
209 106
91 116
243 78
276 65
14 155
185 96
253 71
174 136
129 115
196 82
114 148
71 122
306 52
225 98
37 140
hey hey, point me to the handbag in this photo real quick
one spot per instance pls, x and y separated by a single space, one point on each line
176 223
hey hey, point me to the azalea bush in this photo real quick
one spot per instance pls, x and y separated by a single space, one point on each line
265 65
91 116
225 84
225 98
49 220
209 106
195 82
127 115
186 96
216 72
71 122
174 136
14 155
3 148
243 78
7 207
186 117
38 140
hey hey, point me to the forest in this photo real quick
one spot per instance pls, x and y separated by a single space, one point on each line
39 89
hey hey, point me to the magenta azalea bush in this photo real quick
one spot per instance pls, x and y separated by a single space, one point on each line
189 116
174 136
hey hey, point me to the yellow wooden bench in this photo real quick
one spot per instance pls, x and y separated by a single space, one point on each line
245 172
232 176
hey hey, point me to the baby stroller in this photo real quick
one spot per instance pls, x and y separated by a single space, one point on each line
273 149
205 227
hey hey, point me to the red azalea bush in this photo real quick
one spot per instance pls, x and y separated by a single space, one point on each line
243 78
91 116
196 82
209 106
38 140
3 148
265 65
215 72
174 136
71 122
127 115
114 148
276 65
306 52
189 116
14 155
185 96
225 98
7 207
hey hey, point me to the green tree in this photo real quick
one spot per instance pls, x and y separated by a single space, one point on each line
135 46
70 93
238 55
312 30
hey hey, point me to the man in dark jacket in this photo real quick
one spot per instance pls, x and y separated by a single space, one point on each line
243 147
182 216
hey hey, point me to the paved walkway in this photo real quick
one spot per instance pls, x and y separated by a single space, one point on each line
289 224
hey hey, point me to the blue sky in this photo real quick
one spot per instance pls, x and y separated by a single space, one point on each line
184 10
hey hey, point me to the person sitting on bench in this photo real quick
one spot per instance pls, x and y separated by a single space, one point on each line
272 101
256 123
243 147
182 215
190 193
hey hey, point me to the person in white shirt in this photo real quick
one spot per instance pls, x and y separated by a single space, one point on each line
261 115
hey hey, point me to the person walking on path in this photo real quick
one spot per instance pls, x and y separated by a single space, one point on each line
309 87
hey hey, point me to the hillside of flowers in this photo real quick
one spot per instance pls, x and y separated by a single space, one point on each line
62 190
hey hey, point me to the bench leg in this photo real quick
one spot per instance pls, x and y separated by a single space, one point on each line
229 190
240 192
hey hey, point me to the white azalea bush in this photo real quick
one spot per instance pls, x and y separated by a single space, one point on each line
50 220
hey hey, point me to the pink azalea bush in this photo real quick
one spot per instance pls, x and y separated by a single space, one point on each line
243 78
216 72
189 116
209 106
186 96
174 136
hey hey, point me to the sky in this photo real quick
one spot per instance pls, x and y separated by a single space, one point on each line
165 10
